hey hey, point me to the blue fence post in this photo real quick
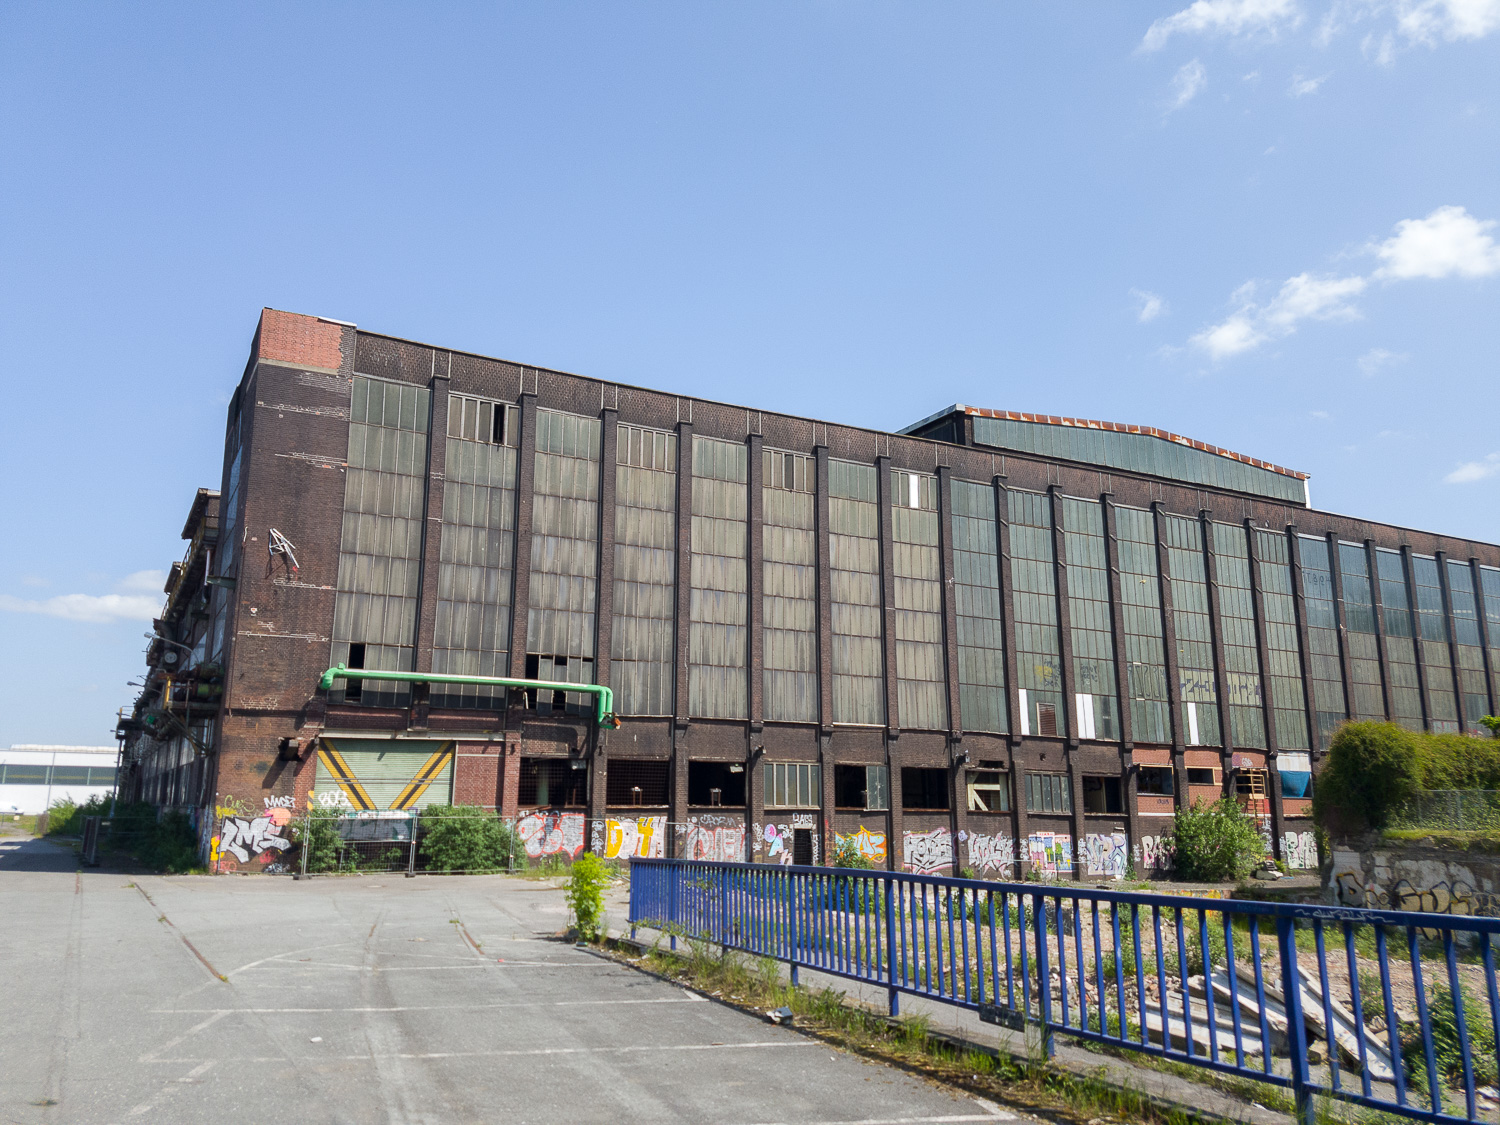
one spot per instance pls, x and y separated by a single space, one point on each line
1043 973
893 996
791 913
674 876
1296 1028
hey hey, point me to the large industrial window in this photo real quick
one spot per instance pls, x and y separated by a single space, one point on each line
642 635
637 782
554 783
1322 637
1361 647
924 789
1038 659
564 556
1197 686
789 605
1432 628
1283 648
1096 702
793 785
718 637
1154 780
1102 795
1141 622
1400 639
861 787
976 602
918 573
1242 696
471 635
715 784
381 542
1489 580
854 566
1049 793
1472 690
988 791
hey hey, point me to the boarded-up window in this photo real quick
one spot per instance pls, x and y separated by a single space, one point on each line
1242 696
1283 650
854 567
642 638
471 635
718 635
1198 687
976 598
381 543
789 599
564 554
1038 657
1096 703
1141 622
916 563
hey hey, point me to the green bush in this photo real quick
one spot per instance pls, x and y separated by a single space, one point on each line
65 818
1373 769
586 886
1214 843
319 837
166 842
467 838
1446 1045
847 854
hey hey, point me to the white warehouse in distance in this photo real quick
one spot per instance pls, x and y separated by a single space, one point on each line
32 778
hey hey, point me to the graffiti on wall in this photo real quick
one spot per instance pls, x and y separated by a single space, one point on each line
869 844
643 838
248 838
1106 856
774 843
927 853
1050 853
1299 850
1156 854
995 853
551 833
719 843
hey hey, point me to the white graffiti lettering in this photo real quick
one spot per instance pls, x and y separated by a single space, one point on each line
717 844
551 833
926 853
1299 850
1106 856
245 838
992 853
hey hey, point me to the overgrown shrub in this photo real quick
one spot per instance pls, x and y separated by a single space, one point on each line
586 886
847 854
64 818
467 838
166 842
1214 843
1445 1042
1373 769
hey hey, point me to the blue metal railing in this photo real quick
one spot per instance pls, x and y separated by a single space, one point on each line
1405 1005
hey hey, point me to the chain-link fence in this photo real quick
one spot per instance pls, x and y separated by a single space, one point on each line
1452 810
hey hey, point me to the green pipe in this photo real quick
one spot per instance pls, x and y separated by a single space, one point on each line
605 697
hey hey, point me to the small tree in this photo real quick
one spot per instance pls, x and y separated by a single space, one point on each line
846 853
586 886
1372 770
1217 842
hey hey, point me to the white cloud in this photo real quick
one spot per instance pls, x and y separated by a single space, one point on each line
1449 242
1472 471
1304 297
143 582
1152 306
1321 415
1427 21
1187 84
88 607
1376 360
1301 87
1224 17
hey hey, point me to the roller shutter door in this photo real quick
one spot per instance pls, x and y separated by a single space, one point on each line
375 774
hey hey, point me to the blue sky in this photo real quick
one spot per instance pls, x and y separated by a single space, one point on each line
1267 224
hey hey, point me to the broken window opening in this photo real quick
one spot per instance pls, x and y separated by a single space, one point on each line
861 788
1102 795
715 784
988 791
925 789
637 782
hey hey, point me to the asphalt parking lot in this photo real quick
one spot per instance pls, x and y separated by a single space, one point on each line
375 999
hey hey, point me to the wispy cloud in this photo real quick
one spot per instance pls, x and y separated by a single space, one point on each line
1376 360
1301 86
1224 17
1470 472
1152 306
1187 84
138 598
1447 243
1427 21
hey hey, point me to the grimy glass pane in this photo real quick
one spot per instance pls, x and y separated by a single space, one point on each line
1038 653
1283 648
789 588
1472 690
718 640
976 596
917 569
1197 686
642 636
1366 701
1400 643
1432 635
854 568
1489 581
1141 622
1097 703
1325 677
1242 691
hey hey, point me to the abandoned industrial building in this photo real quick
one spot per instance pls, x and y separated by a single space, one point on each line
991 641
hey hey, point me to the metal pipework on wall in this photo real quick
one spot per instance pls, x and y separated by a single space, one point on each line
604 697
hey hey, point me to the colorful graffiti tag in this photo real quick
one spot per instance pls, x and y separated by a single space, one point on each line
643 838
1299 850
775 842
551 833
1051 853
248 838
995 853
1156 854
927 853
716 843
869 844
1106 856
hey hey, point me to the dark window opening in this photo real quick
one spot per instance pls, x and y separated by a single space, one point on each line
1155 780
1102 795
802 853
1201 777
924 789
1046 719
352 688
860 788
553 783
633 782
716 783
559 669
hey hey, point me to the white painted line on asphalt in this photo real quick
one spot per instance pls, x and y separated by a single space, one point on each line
166 1091
218 1014
945 1117
313 1057
428 968
686 999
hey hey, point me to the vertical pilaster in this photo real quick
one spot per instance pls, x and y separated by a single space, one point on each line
432 522
1464 725
525 491
755 579
1408 572
604 615
1299 602
825 593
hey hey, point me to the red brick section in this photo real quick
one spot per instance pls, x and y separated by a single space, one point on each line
1118 428
476 774
294 338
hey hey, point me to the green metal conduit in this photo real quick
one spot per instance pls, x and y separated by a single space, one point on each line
604 697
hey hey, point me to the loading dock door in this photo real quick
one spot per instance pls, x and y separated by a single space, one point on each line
371 774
